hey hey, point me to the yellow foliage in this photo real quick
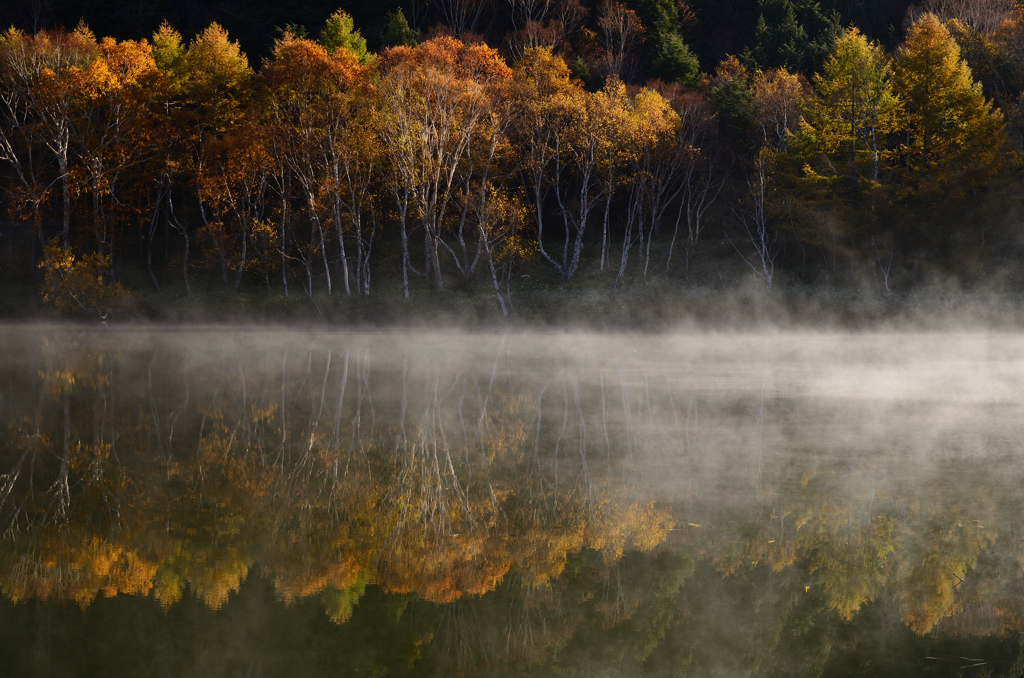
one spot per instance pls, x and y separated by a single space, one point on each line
78 285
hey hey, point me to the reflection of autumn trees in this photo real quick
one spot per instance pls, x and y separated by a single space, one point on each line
171 468
916 545
507 489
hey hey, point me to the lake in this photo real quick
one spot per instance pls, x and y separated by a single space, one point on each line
210 502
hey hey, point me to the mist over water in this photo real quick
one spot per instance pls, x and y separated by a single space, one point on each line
488 504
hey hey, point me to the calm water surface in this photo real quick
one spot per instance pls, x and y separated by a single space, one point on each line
243 503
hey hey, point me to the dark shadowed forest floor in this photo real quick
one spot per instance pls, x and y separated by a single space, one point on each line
719 293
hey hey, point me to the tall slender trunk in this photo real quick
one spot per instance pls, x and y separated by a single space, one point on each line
433 260
647 253
184 234
364 261
604 235
149 248
341 244
494 274
428 267
241 265
284 238
403 211
62 163
218 241
672 245
152 234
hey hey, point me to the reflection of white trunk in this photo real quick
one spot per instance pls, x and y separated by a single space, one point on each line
582 439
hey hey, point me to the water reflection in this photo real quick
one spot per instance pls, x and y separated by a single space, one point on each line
711 505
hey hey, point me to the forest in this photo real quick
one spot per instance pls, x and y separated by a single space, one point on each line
498 148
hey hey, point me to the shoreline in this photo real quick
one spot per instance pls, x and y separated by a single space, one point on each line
653 308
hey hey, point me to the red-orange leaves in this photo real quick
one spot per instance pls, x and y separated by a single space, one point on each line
302 66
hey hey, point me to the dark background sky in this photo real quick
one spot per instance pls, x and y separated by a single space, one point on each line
725 26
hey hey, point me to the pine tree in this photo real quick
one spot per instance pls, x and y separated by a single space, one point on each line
855 108
795 35
670 57
397 31
674 62
339 33
953 134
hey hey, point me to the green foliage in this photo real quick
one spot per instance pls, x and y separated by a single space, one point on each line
674 62
296 31
167 48
659 16
670 58
581 71
731 97
397 31
339 32
339 603
793 34
855 111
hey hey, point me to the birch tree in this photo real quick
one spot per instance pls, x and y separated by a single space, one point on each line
436 98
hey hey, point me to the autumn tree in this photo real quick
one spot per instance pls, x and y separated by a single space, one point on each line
235 189
984 16
656 168
79 285
214 82
293 85
207 91
214 79
853 117
953 134
322 104
20 147
778 98
704 171
540 80
437 100
582 139
501 220
483 178
171 146
855 108
47 69
116 134
621 36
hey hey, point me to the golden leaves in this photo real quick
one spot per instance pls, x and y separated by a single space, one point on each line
79 284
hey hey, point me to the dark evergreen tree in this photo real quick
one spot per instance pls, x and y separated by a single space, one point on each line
796 35
665 50
674 62
397 31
